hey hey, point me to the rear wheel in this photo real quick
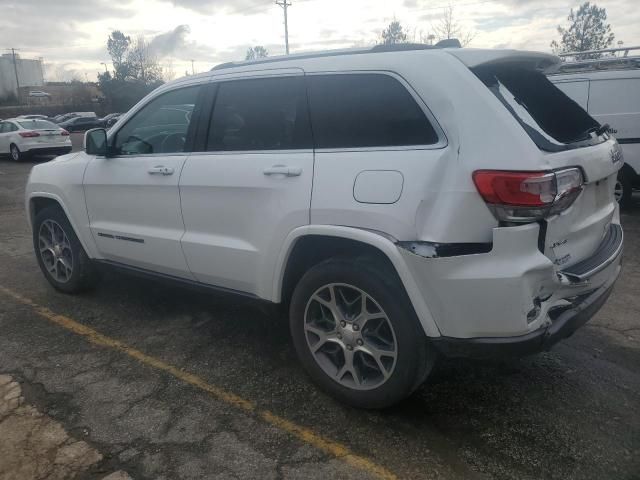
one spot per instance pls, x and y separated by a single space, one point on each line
624 187
60 255
356 333
15 153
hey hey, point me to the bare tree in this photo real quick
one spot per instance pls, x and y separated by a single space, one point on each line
168 72
449 27
143 63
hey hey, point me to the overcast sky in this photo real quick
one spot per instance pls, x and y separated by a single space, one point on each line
71 34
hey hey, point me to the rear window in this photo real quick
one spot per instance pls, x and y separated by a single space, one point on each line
552 119
365 110
38 124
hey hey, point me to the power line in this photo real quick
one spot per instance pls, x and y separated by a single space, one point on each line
15 68
284 4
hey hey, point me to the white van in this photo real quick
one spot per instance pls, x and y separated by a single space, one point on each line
402 202
609 89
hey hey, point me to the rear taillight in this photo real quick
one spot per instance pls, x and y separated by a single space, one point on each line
28 134
521 197
64 133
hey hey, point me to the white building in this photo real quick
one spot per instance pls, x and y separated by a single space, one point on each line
29 74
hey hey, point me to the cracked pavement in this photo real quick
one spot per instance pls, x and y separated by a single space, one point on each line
571 413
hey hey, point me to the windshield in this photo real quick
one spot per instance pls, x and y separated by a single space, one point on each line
551 118
38 124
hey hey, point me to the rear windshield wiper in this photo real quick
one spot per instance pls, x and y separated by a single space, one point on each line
597 130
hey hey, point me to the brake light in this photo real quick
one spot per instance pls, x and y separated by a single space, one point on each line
28 134
522 197
64 133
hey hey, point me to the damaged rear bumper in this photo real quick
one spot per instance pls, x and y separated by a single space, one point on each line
564 321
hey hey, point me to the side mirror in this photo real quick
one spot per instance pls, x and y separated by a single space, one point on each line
95 142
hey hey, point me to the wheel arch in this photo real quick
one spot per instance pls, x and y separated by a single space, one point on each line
38 201
307 246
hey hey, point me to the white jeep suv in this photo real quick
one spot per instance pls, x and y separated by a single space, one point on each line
401 202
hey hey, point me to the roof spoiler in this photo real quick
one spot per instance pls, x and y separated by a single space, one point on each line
449 43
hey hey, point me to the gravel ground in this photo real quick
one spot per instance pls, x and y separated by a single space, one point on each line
178 384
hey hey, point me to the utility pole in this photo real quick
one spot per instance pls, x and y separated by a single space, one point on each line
284 4
15 69
193 72
105 67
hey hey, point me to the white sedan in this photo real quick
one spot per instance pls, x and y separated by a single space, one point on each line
20 137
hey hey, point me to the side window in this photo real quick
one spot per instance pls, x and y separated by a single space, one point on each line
12 127
3 127
365 110
160 126
260 114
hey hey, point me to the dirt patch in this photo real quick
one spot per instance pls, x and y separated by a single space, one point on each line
34 446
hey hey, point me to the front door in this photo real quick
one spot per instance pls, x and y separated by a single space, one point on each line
132 197
252 186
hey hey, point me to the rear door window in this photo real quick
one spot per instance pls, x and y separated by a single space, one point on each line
553 120
366 110
260 114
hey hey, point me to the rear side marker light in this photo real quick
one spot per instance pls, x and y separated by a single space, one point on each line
522 197
28 134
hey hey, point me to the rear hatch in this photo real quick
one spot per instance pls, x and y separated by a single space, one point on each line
566 137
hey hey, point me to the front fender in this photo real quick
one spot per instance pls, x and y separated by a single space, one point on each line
61 181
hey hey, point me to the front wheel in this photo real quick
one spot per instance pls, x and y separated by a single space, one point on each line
60 255
356 333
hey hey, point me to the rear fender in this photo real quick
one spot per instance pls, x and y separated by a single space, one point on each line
382 242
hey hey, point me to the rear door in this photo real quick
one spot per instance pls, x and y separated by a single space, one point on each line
380 155
132 198
252 185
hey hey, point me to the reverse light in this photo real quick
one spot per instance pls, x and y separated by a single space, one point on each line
522 197
28 134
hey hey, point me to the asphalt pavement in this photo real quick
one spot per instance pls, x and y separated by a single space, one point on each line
168 383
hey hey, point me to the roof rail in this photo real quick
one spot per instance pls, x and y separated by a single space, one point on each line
609 62
397 47
604 50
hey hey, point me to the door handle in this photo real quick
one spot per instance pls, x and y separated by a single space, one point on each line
160 170
283 170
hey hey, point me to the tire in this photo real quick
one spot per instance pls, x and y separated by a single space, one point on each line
385 297
624 187
15 154
83 275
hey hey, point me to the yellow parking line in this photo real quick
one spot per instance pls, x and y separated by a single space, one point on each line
302 433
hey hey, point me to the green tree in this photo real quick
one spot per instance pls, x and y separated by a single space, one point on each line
393 34
117 46
136 72
588 30
256 52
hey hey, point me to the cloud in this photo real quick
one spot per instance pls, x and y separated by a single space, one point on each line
168 43
224 6
175 44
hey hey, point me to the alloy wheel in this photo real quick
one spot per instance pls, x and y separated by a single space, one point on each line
350 336
15 153
55 250
618 191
